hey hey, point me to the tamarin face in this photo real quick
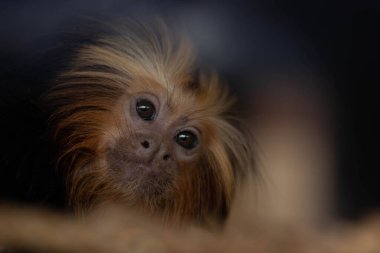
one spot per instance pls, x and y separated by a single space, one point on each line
153 141
137 126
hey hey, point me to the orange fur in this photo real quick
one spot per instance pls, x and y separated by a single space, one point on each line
89 115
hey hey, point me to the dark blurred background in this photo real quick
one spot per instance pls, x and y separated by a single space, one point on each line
327 49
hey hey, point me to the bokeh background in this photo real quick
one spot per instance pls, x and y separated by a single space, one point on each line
305 74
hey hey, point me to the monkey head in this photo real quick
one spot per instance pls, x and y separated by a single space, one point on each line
137 126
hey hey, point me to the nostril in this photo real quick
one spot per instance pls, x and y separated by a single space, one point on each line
145 144
166 157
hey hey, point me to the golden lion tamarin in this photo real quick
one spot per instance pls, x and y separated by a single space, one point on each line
137 125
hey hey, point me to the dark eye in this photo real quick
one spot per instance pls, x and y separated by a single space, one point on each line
187 139
145 109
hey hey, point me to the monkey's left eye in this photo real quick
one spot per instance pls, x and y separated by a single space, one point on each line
187 139
145 109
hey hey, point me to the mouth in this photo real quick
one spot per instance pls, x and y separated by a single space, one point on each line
135 172
143 168
142 174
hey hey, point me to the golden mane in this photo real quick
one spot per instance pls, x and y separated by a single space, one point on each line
101 73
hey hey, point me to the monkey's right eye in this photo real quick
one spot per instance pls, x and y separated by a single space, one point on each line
187 139
145 109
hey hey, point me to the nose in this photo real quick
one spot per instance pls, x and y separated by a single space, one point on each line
151 149
145 144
